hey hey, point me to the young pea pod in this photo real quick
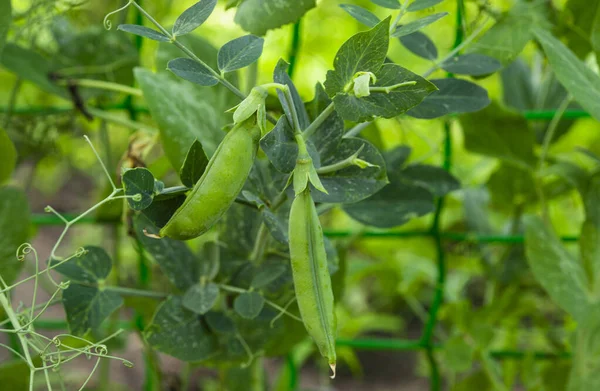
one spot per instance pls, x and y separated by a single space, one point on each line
312 281
218 187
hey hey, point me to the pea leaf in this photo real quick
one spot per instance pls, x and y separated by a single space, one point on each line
472 64
5 21
579 80
584 371
190 70
14 225
508 37
276 226
240 53
180 333
517 87
417 25
328 136
352 184
511 185
499 133
193 17
249 304
391 4
458 354
219 322
281 76
8 156
280 146
419 5
194 165
88 306
453 96
93 266
556 269
161 209
364 52
143 31
259 16
420 45
201 298
175 258
589 240
267 274
382 104
435 179
183 112
364 16
139 181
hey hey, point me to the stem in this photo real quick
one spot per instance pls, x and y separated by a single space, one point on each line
399 16
123 291
312 128
388 89
552 130
260 245
106 85
10 313
14 93
347 162
295 120
121 121
295 46
355 131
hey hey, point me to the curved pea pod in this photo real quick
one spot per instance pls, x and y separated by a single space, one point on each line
218 187
312 281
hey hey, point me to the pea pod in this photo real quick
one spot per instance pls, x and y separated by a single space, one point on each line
312 281
218 187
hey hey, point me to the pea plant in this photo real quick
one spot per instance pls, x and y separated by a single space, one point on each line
227 188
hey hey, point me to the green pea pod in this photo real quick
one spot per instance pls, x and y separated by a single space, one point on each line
218 187
312 281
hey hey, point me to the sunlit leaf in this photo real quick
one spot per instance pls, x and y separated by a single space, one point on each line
193 17
143 31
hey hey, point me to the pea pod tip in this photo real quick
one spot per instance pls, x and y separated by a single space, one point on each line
332 366
153 236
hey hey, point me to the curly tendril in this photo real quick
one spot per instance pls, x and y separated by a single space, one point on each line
107 22
24 250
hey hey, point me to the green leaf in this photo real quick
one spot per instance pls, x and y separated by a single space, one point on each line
8 156
180 333
193 71
458 354
391 4
420 45
589 240
184 113
259 16
363 52
240 53
143 31
88 306
364 16
419 5
161 210
14 374
585 369
472 64
266 274
5 21
417 25
499 133
90 268
139 182
194 165
31 66
276 226
175 258
219 322
556 269
281 76
14 226
328 136
511 185
435 179
193 17
280 146
453 96
573 74
508 37
517 87
249 304
352 184
382 104
201 298
581 17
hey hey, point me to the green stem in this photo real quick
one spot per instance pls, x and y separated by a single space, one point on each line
260 244
14 93
312 128
347 162
552 130
106 85
137 292
399 16
121 121
295 46
388 89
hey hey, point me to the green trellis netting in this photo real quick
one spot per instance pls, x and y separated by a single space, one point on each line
426 343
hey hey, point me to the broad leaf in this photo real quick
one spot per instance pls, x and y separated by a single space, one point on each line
517 87
5 21
363 52
143 31
453 96
180 333
193 71
184 113
417 25
585 369
14 226
435 179
194 165
8 157
162 208
556 269
581 82
391 4
364 16
511 185
267 274
174 257
201 297
139 182
582 21
328 135
219 322
88 306
280 146
90 268
193 17
276 225
420 45
419 5
240 53
472 64
259 16
249 304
